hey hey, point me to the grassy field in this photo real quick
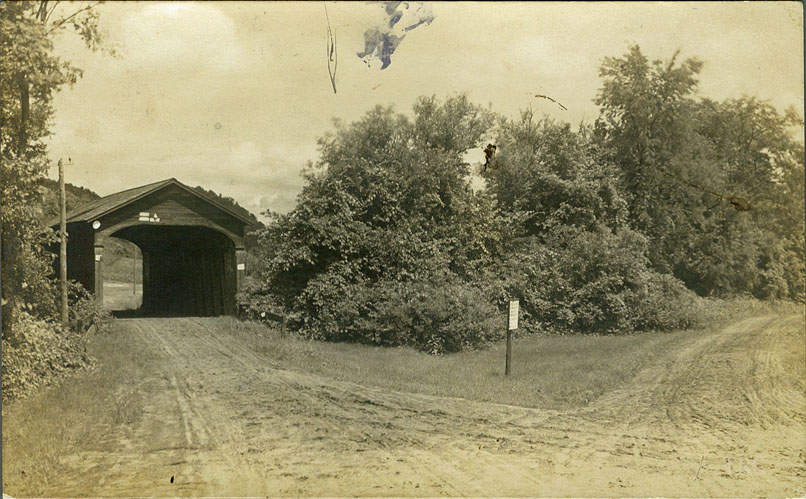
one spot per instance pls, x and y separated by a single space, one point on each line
119 296
554 372
551 372
120 271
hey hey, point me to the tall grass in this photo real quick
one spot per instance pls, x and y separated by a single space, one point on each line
554 372
74 415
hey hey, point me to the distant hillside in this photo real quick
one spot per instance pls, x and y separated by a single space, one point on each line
76 196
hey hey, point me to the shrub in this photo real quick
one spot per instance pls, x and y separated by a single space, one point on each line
591 281
435 316
664 303
37 352
85 311
41 353
256 303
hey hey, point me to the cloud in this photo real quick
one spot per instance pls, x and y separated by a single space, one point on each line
259 70
246 154
181 35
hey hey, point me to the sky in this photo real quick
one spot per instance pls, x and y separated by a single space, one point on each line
234 95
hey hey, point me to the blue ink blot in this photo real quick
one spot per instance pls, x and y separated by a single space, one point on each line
393 13
379 46
380 42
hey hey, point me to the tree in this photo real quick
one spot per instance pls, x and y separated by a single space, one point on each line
30 76
570 255
388 203
754 145
548 177
715 187
646 124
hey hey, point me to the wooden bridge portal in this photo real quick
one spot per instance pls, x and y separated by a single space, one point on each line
192 247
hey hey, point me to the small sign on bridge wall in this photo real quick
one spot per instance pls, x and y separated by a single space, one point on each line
149 217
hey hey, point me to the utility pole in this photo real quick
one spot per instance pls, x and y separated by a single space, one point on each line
63 244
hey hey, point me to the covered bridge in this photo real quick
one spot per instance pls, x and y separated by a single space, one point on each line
192 247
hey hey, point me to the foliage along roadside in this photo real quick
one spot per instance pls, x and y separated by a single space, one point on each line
623 225
42 351
36 350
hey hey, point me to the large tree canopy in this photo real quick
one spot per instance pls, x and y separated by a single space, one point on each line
569 252
30 75
599 229
717 188
388 203
387 195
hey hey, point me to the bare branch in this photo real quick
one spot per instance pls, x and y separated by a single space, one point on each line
58 24
52 9
41 12
739 203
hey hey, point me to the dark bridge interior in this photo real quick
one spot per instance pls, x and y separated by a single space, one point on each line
187 270
192 249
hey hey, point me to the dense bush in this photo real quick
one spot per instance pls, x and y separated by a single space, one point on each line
590 281
571 256
84 310
610 228
434 315
386 209
257 304
39 354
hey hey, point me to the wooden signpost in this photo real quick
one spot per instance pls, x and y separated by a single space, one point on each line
512 324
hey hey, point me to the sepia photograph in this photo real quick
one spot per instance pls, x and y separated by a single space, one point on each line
402 249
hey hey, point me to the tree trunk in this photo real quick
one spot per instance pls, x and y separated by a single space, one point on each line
22 138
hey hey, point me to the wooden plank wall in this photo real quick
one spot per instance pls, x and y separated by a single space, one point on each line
80 255
199 283
189 248
175 206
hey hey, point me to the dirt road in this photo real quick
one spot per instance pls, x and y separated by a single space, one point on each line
724 416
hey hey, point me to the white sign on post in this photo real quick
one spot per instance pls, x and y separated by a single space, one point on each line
513 314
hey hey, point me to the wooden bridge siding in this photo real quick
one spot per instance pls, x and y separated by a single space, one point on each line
146 303
191 271
80 264
174 206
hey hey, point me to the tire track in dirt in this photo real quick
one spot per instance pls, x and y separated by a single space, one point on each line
192 406
227 421
668 413
195 428
367 418
173 435
708 403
